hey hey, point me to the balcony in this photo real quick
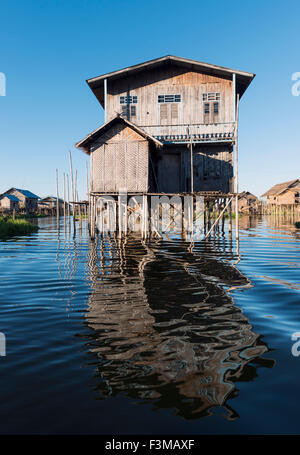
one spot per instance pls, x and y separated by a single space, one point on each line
196 133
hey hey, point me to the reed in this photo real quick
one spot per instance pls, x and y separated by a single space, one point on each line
19 226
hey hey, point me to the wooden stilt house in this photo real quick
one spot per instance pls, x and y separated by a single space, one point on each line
9 203
28 201
170 127
286 193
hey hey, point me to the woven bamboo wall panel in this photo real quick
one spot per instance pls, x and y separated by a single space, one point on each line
121 165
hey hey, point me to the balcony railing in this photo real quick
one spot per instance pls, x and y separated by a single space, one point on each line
200 132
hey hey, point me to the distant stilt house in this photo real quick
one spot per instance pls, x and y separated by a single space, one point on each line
170 127
48 205
248 202
286 193
28 201
9 203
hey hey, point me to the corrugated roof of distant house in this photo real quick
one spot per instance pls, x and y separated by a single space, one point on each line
27 193
51 198
10 196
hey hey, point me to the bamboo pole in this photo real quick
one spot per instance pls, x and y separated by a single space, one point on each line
87 179
79 212
75 191
72 182
57 200
212 227
87 192
68 193
64 197
192 166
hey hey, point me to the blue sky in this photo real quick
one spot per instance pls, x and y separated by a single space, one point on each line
49 48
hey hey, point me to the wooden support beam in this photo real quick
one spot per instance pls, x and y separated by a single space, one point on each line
236 180
105 100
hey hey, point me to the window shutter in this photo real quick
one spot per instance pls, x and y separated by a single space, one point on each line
133 111
125 111
163 113
174 112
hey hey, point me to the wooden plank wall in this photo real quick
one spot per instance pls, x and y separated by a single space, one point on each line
170 80
213 170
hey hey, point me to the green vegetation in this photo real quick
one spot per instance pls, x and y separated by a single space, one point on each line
233 215
20 226
30 215
297 224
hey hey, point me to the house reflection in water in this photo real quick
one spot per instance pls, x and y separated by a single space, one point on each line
164 329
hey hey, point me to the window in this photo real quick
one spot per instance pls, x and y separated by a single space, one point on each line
211 107
211 96
174 113
128 99
128 111
163 113
169 98
169 113
168 108
133 111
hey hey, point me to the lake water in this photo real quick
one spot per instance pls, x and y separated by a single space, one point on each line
151 337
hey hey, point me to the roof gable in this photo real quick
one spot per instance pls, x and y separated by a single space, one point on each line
103 131
280 187
294 188
10 196
243 78
26 193
247 195
50 199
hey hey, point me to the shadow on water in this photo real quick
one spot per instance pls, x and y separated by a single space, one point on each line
163 327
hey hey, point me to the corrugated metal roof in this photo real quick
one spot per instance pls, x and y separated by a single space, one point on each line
11 197
51 198
27 193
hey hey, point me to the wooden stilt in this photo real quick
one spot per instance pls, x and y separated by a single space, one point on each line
92 217
230 218
223 216
236 172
